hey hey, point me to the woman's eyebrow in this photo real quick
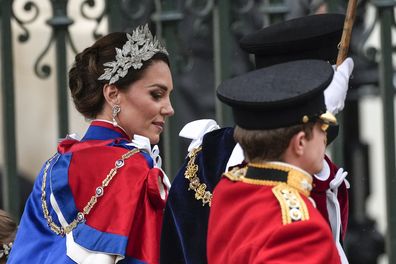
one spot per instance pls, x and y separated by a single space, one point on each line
163 87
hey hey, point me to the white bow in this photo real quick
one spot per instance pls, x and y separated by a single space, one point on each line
143 143
196 130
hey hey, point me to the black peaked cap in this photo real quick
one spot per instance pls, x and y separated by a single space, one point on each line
279 95
308 37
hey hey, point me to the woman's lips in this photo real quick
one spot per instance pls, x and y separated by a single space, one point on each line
159 124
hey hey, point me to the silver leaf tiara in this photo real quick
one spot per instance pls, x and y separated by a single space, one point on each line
141 46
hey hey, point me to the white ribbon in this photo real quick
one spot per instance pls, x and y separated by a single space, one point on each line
75 251
196 130
164 185
82 255
334 211
72 136
143 143
236 158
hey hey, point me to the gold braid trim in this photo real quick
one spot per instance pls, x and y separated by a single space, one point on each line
293 207
195 184
296 178
62 230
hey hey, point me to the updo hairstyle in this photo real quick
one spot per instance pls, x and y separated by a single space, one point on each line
86 90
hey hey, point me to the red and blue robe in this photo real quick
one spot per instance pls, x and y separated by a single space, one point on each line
123 226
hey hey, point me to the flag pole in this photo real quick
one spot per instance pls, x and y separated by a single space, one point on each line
347 31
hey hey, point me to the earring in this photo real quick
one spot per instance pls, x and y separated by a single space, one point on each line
115 110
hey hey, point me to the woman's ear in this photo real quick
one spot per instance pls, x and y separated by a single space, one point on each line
297 143
111 94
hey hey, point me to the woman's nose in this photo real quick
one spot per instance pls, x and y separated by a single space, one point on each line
168 109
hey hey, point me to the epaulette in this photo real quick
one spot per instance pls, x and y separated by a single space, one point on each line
236 173
288 182
293 207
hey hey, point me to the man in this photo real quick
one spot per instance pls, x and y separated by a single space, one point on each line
214 150
261 212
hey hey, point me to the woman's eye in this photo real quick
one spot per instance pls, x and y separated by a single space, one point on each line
156 95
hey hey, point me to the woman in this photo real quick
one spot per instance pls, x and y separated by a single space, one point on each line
101 199
8 229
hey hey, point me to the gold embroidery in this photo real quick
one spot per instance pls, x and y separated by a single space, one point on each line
60 230
293 207
195 184
236 174
296 178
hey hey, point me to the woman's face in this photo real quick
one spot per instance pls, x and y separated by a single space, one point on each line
145 105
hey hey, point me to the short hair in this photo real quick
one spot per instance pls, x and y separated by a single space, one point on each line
270 145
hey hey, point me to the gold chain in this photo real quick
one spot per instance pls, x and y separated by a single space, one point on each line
60 230
195 184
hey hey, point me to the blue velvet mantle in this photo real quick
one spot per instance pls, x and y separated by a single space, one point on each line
185 223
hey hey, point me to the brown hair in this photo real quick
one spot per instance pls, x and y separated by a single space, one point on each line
85 88
259 145
8 229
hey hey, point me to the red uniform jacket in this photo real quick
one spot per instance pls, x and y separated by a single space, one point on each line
264 215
